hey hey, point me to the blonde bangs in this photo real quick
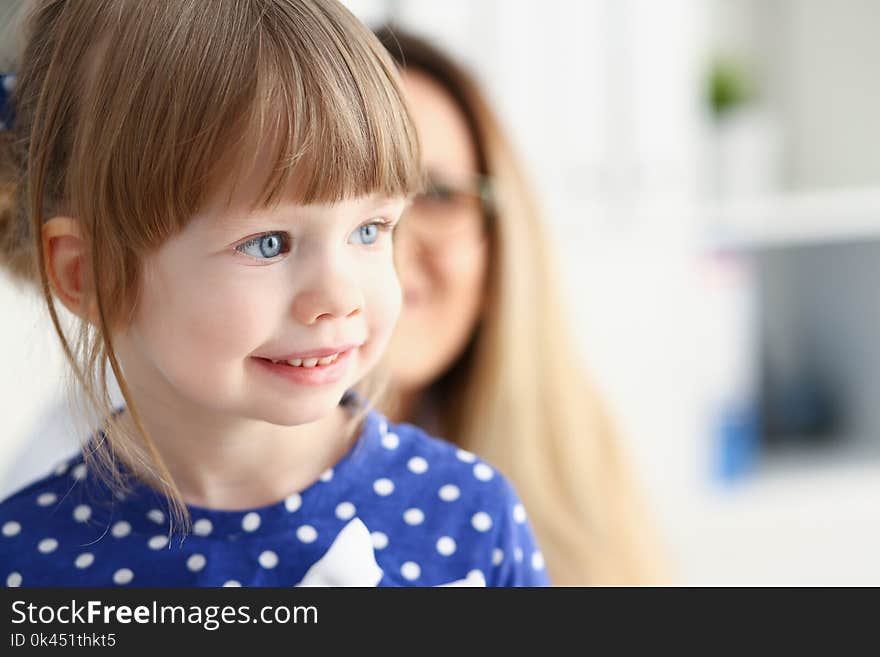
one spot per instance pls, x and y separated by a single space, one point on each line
334 125
274 87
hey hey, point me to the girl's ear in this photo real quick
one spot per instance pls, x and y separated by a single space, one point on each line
64 256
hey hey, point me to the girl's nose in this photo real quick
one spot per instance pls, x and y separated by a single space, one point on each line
328 298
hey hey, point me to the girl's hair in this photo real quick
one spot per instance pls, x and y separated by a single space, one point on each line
130 114
516 395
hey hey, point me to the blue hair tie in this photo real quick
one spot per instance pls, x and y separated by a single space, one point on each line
7 111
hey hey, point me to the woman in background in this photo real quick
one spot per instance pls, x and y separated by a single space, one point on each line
481 353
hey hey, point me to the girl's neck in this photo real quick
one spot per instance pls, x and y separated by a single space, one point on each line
248 464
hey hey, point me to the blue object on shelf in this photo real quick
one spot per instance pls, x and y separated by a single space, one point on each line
737 433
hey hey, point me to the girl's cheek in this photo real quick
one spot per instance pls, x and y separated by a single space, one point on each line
198 318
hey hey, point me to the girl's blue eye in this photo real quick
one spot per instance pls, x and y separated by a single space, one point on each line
264 246
368 233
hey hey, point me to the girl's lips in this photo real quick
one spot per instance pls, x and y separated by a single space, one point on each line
310 376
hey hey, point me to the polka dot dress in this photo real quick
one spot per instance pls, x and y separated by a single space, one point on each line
399 509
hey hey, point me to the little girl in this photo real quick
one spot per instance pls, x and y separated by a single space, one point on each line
211 190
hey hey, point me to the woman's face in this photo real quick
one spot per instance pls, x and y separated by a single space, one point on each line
441 246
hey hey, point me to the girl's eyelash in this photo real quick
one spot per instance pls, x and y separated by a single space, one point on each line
285 238
383 224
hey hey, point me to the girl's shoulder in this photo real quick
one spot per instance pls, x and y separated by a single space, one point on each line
460 515
32 517
419 458
45 490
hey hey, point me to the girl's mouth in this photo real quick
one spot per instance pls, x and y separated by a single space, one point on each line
309 371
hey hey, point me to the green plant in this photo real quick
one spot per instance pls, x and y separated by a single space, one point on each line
728 86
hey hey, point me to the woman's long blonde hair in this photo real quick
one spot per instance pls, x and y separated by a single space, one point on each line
518 395
129 114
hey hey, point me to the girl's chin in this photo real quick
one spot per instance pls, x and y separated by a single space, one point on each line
302 413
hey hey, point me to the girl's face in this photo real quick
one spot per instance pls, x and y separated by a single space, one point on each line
441 247
313 286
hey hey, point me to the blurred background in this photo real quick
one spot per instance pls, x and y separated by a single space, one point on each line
710 175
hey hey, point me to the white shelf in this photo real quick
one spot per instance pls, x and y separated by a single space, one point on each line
805 517
793 219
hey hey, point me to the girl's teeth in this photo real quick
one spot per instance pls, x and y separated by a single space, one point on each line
307 362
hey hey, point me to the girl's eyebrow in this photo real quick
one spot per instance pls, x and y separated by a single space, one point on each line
291 213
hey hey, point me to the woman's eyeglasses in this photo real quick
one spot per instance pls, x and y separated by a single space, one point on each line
448 192
451 207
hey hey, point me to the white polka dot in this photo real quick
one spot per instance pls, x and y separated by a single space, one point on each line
345 510
380 540
46 499
268 559
250 522
84 560
156 516
383 486
13 580
410 570
476 577
481 521
517 554
9 82
464 455
417 464
383 427
327 475
537 560
121 529
79 472
483 472
445 545
413 516
449 493
293 502
202 527
306 533
11 528
196 562
158 542
61 468
47 545
497 556
82 513
232 584
519 513
390 441
120 496
123 576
